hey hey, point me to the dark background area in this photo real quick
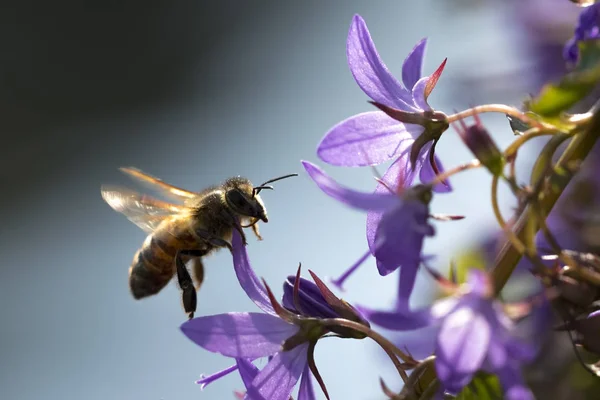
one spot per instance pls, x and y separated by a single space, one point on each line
195 92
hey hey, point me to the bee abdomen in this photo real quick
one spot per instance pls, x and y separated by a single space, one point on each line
151 270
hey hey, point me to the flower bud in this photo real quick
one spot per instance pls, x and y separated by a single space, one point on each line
481 144
576 292
315 300
588 331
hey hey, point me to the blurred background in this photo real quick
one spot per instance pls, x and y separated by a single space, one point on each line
195 92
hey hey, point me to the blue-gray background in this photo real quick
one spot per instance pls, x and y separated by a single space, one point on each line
195 93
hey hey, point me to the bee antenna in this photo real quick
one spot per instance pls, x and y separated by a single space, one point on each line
256 190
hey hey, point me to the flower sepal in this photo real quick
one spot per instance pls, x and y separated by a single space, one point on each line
481 144
434 123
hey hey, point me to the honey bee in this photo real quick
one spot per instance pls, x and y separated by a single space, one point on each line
196 224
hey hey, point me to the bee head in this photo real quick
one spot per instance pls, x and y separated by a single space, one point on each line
243 197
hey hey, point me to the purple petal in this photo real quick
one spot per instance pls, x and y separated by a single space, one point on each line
364 139
370 72
240 335
311 300
399 171
204 381
462 345
428 174
520 392
443 307
413 64
277 380
339 282
418 93
306 390
248 371
407 278
247 277
352 198
397 320
521 350
399 238
479 283
511 381
497 356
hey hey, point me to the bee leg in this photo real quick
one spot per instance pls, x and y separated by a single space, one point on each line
185 283
197 272
256 232
213 240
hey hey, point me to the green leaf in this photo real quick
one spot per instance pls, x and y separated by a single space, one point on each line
482 387
555 98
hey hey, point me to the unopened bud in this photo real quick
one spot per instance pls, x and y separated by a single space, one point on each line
481 144
588 331
576 292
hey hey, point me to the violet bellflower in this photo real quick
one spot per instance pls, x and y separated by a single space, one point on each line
474 334
372 138
397 225
286 337
588 28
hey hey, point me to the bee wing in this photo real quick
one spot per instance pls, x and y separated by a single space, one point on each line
159 185
143 210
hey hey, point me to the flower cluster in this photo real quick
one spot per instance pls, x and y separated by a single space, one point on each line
475 331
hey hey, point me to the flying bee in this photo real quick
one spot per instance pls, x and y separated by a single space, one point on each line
196 224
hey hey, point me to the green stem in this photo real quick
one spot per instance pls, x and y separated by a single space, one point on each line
392 351
499 108
577 150
509 256
516 242
512 149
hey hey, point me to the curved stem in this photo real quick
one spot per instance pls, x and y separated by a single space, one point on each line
499 108
448 173
392 351
516 242
541 219
578 149
512 149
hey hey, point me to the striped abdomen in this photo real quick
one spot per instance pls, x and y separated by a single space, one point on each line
154 264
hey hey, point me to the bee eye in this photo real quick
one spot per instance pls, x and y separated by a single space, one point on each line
237 199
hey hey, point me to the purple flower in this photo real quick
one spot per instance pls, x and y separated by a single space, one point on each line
588 28
475 334
287 336
396 224
372 138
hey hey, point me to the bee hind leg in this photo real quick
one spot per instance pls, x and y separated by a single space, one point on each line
197 271
186 284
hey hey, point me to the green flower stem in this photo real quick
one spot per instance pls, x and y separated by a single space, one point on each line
458 169
512 149
514 240
578 149
499 108
391 350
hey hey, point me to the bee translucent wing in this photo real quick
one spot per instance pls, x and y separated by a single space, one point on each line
144 211
159 185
